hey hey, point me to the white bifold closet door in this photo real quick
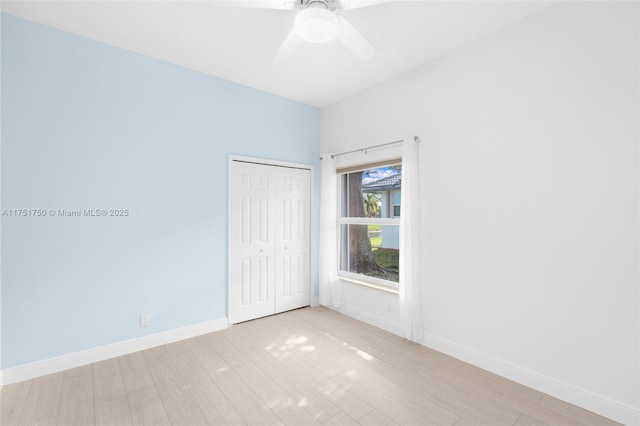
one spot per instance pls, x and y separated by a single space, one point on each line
269 246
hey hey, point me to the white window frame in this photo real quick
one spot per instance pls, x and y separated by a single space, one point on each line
355 278
392 205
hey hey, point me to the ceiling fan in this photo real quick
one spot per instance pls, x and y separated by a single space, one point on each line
319 21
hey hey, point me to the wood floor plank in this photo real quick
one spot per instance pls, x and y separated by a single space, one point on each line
489 381
525 420
339 395
149 412
310 366
307 397
43 401
307 369
341 420
487 395
398 410
344 350
367 372
214 405
177 397
542 414
233 387
453 402
291 406
417 359
137 380
260 383
294 339
377 342
375 418
110 396
296 415
13 399
571 411
254 411
496 399
76 401
144 401
332 347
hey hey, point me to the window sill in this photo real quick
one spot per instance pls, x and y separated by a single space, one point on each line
367 282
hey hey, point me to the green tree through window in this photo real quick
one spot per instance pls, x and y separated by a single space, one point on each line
369 222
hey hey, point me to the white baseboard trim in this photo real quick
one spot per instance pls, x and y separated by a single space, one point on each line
77 359
369 318
599 404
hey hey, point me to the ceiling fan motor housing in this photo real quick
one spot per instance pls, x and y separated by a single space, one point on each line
317 23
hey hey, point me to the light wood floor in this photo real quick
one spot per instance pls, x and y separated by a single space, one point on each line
306 367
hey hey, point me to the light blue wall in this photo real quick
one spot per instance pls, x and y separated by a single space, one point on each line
89 126
0 197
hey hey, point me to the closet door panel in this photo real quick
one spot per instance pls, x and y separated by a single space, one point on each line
269 247
251 242
292 239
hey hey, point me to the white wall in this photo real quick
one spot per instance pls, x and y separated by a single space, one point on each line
529 167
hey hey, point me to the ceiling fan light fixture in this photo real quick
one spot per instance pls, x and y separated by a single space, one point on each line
289 4
317 25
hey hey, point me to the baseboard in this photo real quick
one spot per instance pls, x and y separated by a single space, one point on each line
593 402
77 359
369 318
315 301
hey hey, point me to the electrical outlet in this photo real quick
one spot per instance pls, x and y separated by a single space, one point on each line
145 320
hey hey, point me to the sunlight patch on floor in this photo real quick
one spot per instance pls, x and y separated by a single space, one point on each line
296 340
364 355
303 402
277 404
329 389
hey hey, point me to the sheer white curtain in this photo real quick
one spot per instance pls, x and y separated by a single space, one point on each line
410 254
329 286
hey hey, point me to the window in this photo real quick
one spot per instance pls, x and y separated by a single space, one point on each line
396 203
369 218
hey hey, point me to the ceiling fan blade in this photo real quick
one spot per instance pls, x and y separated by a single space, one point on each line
355 4
258 4
355 41
288 46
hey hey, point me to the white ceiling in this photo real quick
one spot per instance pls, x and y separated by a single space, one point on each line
238 43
